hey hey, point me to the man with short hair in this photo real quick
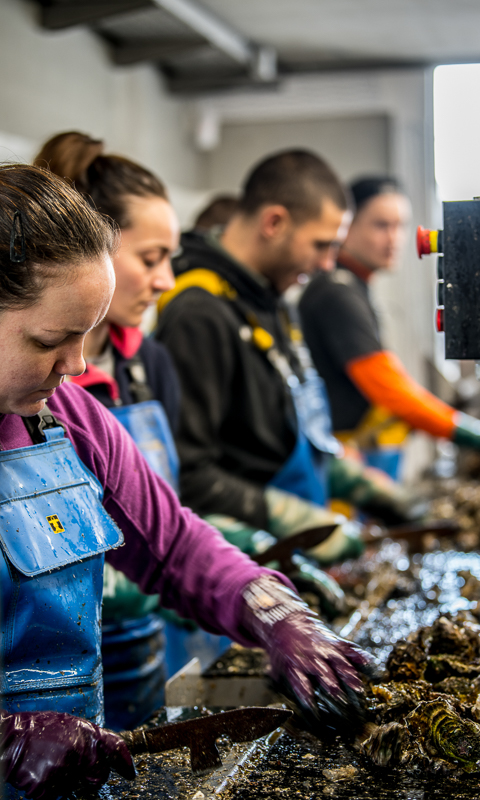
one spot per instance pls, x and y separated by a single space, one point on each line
251 402
373 399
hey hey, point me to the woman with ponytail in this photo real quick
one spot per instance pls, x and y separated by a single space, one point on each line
122 366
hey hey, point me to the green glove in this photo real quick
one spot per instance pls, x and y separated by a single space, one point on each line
308 579
123 599
373 492
249 540
289 514
467 431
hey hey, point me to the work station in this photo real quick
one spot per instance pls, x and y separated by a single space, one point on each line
239 399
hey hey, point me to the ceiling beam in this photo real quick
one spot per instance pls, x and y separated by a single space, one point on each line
190 84
63 15
222 36
259 61
194 83
159 50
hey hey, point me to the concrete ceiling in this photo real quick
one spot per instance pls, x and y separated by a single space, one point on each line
359 29
200 46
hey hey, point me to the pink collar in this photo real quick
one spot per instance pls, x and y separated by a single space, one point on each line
126 340
93 376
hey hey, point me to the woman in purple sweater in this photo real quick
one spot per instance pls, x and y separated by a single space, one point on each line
73 487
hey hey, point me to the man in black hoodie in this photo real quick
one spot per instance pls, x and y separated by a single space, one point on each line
237 354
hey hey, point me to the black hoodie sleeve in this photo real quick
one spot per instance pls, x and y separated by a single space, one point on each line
198 331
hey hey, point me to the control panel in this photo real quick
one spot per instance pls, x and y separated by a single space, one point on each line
458 277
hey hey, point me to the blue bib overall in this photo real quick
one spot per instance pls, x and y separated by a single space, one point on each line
54 532
305 471
148 426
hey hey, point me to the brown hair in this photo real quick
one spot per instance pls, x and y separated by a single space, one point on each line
106 181
218 212
46 229
296 179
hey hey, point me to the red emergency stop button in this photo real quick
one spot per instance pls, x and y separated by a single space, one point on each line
440 320
427 241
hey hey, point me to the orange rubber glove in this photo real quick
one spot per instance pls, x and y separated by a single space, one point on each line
383 379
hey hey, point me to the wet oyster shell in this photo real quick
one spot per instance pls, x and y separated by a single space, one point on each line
440 733
406 662
388 745
448 637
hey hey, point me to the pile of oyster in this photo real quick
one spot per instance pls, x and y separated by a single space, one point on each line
459 500
426 711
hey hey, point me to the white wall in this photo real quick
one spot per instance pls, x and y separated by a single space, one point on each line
56 81
354 145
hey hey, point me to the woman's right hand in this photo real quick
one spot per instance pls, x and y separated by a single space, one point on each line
310 665
47 754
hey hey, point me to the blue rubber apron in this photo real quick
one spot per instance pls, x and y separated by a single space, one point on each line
305 473
54 532
148 426
388 459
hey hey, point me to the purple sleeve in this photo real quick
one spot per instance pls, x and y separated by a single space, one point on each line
168 549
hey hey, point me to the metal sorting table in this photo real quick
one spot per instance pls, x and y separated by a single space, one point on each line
294 764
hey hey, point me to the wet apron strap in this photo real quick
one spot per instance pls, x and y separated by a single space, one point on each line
139 387
41 426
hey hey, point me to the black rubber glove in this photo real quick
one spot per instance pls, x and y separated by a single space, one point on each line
309 664
47 754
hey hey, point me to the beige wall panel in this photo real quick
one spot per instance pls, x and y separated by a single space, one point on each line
353 145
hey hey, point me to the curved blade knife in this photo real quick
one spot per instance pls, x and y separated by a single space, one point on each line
200 735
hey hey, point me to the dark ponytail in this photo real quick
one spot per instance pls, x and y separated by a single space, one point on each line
106 181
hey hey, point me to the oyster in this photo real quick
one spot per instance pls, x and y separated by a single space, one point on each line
448 637
441 667
388 745
392 701
440 733
406 662
427 711
447 648
465 690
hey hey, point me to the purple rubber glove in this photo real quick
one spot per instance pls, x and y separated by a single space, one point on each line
48 754
309 664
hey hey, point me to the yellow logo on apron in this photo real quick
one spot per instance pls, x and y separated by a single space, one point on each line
55 523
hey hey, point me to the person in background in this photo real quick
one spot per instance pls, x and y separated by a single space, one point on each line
218 212
134 199
86 490
254 438
374 401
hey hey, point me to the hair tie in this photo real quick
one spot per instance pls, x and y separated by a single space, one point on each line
17 231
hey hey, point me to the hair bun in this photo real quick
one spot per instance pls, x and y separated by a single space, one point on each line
70 155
